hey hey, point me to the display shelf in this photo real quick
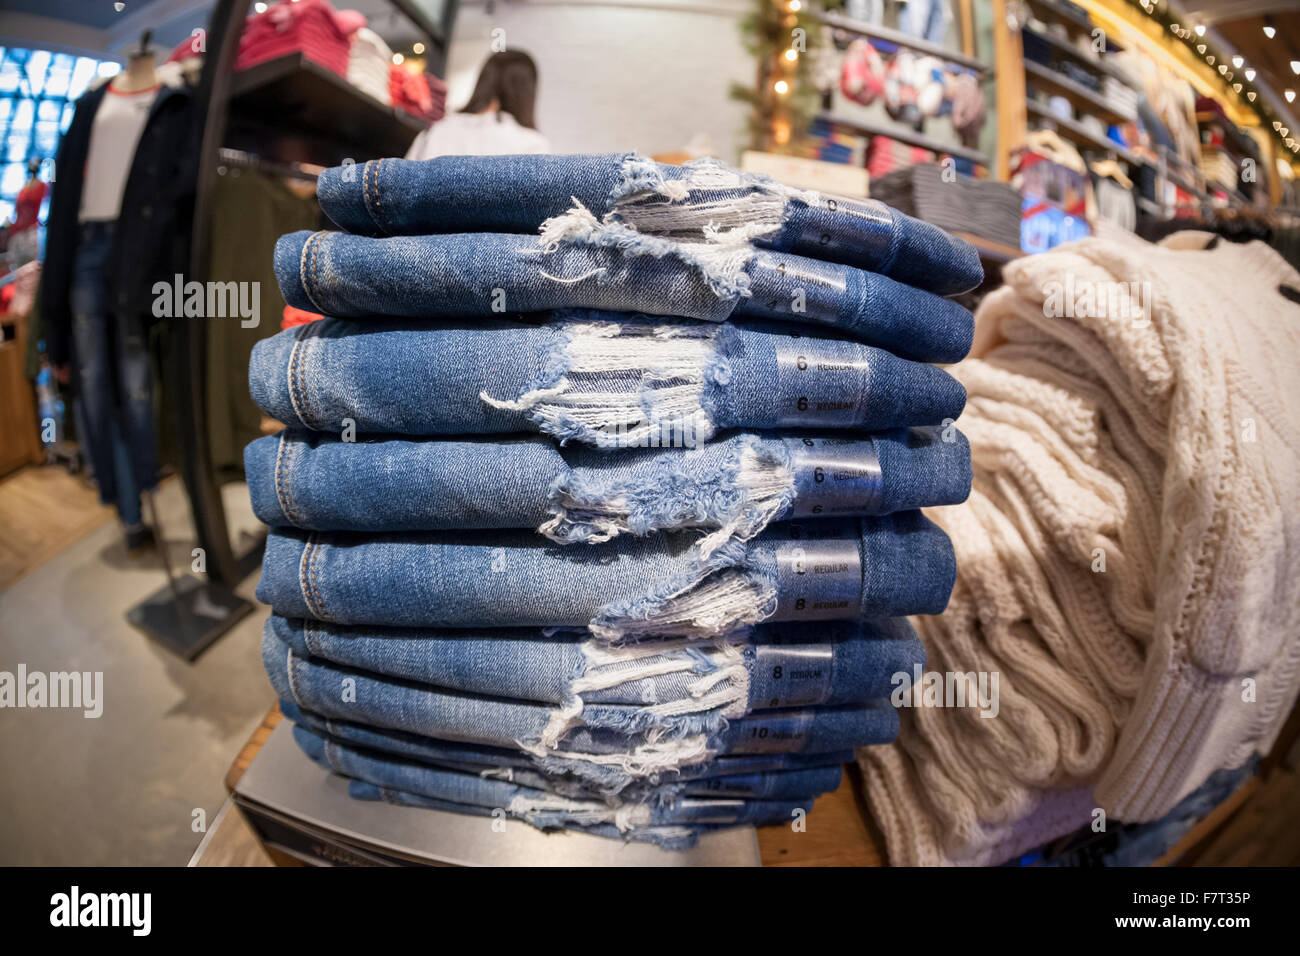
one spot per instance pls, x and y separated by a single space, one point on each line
1097 65
1235 141
293 93
898 38
1076 24
991 251
1081 135
907 135
1080 96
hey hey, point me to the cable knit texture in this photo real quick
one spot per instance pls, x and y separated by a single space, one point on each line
1166 445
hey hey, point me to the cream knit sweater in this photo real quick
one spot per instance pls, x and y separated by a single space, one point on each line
1129 557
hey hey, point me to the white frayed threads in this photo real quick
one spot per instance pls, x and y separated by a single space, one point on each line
727 600
655 756
624 381
758 209
767 484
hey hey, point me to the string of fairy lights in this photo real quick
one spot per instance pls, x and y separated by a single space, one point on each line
1234 72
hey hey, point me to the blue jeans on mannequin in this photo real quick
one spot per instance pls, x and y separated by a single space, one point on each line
114 383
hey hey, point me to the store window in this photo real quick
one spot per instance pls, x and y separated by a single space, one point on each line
37 92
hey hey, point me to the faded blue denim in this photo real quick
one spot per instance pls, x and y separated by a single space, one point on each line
631 384
770 666
539 807
772 785
628 737
391 197
493 275
668 837
629 588
474 758
574 494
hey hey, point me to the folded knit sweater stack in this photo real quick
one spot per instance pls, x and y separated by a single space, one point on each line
1128 560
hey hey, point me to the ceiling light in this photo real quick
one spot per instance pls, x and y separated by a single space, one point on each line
1223 68
1295 67
1174 27
1251 96
119 6
792 55
1200 29
781 86
1269 31
1250 74
1236 87
1284 132
398 58
417 48
1200 48
1237 61
259 7
1290 96
1210 60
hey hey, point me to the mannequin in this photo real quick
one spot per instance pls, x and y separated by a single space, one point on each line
114 394
140 74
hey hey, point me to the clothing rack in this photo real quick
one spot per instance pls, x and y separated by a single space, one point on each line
190 617
307 172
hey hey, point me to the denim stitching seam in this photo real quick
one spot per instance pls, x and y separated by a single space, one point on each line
283 460
297 389
370 195
290 666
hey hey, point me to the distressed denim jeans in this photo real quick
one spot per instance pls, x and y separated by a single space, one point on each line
628 740
737 484
543 808
767 667
629 588
475 758
778 784
702 200
492 275
613 385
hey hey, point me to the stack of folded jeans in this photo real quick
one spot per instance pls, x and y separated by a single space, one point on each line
597 504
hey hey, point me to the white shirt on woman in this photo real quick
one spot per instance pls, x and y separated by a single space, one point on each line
477 134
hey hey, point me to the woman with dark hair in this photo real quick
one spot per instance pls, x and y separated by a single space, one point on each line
498 119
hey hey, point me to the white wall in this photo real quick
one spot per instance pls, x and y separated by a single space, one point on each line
618 74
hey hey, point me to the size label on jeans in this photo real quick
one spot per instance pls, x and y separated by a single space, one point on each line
778 734
795 288
819 385
790 675
818 580
835 476
838 228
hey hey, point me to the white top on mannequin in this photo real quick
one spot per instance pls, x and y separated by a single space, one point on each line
477 134
119 121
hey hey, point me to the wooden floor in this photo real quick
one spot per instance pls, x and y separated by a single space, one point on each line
42 511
